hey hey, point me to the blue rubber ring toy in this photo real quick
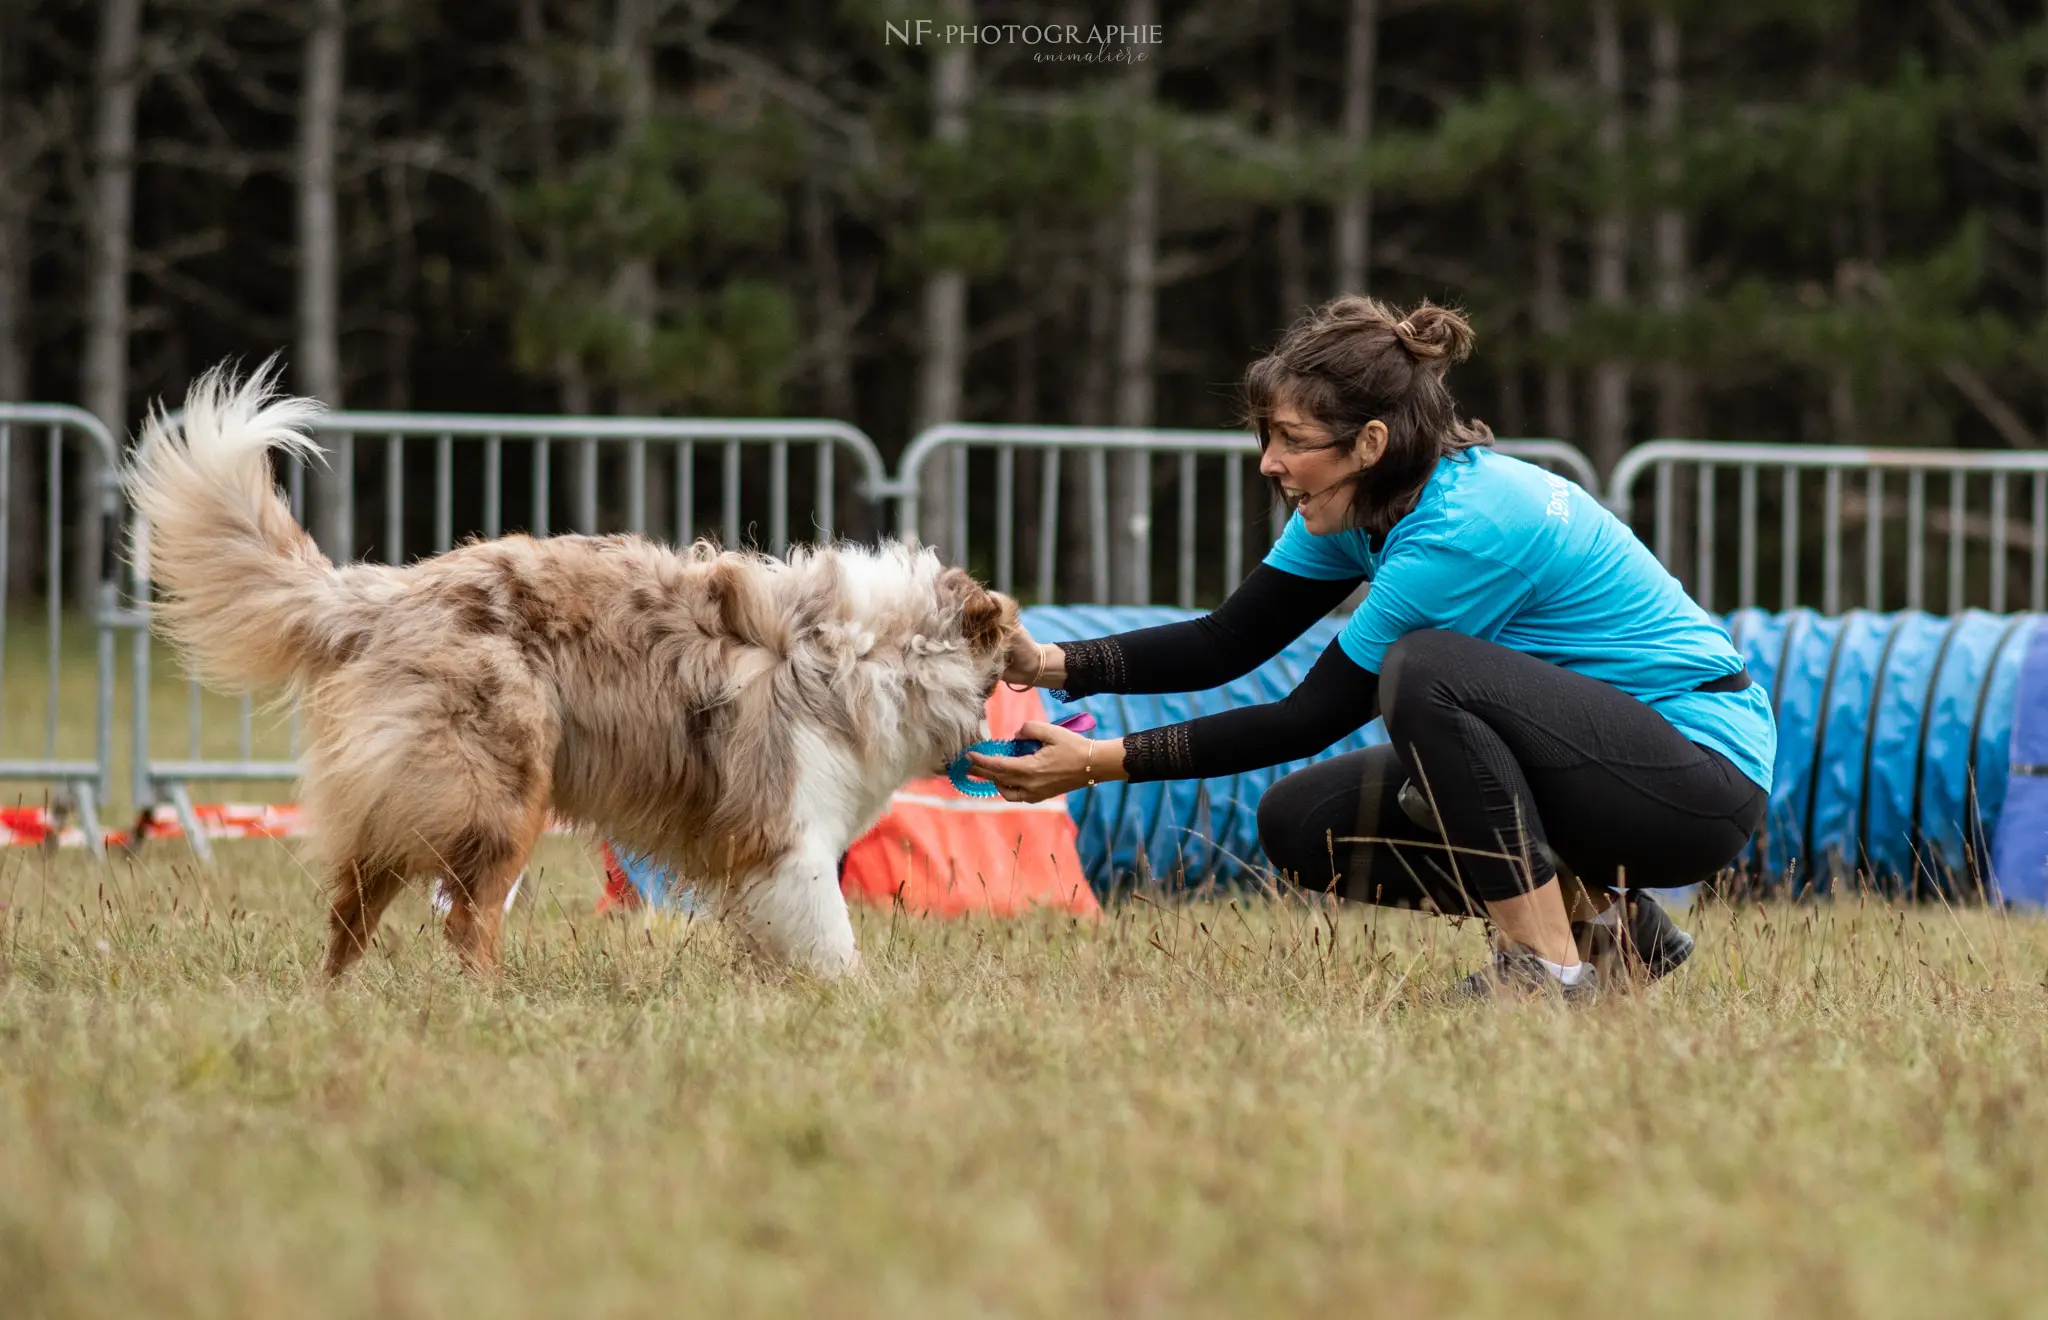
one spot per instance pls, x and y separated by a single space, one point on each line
960 772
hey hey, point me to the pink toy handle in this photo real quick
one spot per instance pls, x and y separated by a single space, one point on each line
1079 722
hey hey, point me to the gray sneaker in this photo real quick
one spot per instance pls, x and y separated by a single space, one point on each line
1655 940
1516 973
1659 942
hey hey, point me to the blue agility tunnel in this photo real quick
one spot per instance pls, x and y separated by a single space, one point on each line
1894 733
1912 748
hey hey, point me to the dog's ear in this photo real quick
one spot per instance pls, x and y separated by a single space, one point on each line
986 617
990 622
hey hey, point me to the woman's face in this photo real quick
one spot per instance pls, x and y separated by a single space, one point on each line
1314 468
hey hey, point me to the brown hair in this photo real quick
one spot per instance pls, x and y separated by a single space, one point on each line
1355 359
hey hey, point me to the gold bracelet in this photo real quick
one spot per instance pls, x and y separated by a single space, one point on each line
1088 765
1037 673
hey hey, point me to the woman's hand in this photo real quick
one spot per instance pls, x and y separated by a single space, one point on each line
1027 663
1066 762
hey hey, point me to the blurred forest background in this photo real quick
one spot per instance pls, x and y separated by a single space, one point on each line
1816 221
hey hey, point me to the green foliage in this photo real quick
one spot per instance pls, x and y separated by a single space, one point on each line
1861 187
685 203
1814 161
961 204
730 349
1475 141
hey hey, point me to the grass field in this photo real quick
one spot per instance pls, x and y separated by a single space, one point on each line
1205 1110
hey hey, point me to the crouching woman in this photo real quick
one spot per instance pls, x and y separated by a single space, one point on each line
1552 695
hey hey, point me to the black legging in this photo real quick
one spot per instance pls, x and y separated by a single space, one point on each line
1515 754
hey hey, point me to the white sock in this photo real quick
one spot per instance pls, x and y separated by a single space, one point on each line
1567 975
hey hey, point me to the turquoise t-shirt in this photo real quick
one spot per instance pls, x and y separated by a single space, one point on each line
1507 552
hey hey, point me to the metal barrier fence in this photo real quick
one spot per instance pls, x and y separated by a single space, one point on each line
37 746
491 475
1063 509
1841 526
1031 507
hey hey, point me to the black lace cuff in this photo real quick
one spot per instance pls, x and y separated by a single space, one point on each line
1092 667
1269 609
1163 753
1334 699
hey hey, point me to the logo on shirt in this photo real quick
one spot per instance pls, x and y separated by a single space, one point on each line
1560 498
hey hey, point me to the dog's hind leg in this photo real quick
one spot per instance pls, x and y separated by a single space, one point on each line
362 890
483 864
795 915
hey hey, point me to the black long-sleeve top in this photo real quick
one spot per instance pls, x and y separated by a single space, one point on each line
1267 611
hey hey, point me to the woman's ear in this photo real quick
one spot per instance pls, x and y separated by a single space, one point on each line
1372 442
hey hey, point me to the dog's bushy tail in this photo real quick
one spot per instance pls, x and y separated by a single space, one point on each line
243 592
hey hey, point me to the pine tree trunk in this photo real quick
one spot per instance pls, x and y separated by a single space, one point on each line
331 488
1024 376
22 506
1081 577
1025 495
14 187
1092 401
1553 319
1290 248
632 291
834 325
631 297
1843 424
2041 149
1550 307
22 510
1610 380
940 380
942 372
1130 507
111 226
572 385
1676 388
834 344
402 269
1510 415
1354 211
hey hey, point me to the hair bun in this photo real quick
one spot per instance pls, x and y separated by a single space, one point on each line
1435 334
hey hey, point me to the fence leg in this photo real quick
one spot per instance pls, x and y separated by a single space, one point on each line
88 801
188 820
